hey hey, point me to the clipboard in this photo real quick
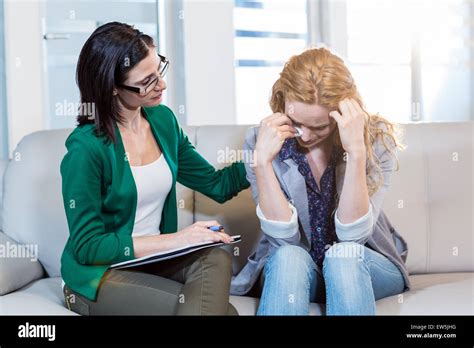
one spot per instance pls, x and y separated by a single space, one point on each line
170 254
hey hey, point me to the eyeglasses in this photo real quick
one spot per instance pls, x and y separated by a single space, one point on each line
143 91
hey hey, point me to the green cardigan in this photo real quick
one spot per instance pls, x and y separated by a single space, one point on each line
100 196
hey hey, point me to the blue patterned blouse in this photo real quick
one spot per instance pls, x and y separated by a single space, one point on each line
321 201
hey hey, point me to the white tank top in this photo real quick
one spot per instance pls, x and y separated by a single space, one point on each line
153 182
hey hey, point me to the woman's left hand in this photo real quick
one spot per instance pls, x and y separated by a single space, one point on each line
351 126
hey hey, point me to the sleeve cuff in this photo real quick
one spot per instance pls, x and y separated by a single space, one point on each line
127 249
279 229
356 230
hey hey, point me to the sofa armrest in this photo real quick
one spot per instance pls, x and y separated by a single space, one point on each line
19 265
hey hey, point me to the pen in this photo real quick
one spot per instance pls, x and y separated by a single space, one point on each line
216 228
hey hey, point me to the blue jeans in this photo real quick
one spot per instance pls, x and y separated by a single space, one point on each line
352 279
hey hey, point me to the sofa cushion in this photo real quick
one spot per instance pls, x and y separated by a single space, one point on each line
405 203
430 201
33 210
449 169
18 265
237 215
431 294
42 297
248 306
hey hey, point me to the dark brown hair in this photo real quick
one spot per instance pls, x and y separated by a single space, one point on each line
108 55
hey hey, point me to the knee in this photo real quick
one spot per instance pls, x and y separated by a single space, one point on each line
289 259
218 257
345 273
344 256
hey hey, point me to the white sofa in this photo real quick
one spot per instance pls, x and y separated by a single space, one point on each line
430 203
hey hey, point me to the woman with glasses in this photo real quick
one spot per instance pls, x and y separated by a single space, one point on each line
119 190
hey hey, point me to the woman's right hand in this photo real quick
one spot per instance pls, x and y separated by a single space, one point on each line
199 233
273 132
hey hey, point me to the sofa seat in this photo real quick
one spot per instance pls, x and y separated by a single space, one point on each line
427 297
41 297
431 294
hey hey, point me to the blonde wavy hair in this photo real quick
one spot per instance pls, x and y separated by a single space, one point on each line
318 76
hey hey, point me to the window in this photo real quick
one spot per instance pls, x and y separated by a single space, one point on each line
67 26
267 33
410 59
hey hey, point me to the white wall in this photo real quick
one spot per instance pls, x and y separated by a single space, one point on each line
170 42
204 90
209 62
24 70
3 101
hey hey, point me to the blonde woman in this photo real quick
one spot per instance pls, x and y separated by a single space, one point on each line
321 170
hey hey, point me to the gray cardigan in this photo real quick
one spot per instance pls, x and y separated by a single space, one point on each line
383 238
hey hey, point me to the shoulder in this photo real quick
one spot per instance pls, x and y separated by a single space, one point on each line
83 142
83 134
161 115
251 137
384 140
384 147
